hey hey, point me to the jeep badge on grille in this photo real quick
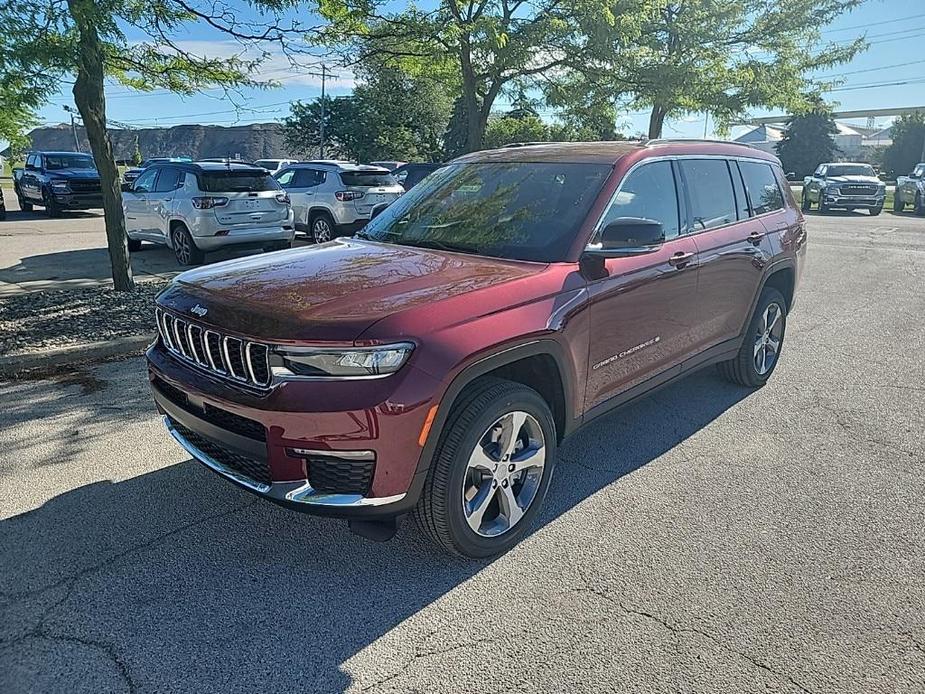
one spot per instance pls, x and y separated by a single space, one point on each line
199 310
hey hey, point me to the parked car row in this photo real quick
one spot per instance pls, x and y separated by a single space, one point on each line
910 190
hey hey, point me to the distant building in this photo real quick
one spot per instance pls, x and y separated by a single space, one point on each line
853 142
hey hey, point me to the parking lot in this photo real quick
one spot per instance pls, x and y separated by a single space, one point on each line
706 539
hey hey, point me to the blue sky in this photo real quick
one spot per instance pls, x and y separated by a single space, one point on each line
895 29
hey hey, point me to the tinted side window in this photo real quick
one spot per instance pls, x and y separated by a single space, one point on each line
710 190
145 182
168 180
648 192
741 198
763 191
308 178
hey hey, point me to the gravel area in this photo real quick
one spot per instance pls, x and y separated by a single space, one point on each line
41 320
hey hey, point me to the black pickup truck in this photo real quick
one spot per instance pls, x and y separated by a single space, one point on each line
58 181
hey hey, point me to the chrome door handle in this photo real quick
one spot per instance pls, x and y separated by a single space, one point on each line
680 259
754 238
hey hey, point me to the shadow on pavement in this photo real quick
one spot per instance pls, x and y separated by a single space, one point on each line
178 581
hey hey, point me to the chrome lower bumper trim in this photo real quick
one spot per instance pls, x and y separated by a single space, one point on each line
293 492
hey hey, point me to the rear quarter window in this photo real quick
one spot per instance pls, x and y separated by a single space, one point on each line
763 190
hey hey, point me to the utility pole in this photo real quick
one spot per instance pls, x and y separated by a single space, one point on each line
73 127
324 72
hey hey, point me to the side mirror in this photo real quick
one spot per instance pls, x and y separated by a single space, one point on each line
632 235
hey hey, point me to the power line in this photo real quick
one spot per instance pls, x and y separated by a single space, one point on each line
873 24
872 69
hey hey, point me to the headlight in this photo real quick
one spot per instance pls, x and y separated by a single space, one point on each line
341 363
60 186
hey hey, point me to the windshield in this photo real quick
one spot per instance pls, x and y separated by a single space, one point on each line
236 182
367 179
55 162
518 210
849 170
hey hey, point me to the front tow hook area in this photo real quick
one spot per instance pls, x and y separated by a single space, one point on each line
376 530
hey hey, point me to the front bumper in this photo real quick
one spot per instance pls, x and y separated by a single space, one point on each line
79 201
854 201
299 421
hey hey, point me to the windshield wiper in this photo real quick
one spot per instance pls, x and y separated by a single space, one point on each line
437 245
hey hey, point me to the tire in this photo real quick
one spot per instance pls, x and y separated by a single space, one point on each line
52 209
480 413
23 205
919 205
184 248
321 227
805 204
898 204
134 245
823 208
874 211
743 369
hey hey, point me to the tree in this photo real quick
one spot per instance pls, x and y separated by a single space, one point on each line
137 159
908 146
487 44
302 127
808 141
720 57
45 41
392 114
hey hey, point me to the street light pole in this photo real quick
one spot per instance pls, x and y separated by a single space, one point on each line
73 127
324 71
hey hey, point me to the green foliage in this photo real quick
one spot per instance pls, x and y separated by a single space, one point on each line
136 154
714 56
504 130
391 115
908 146
482 45
808 142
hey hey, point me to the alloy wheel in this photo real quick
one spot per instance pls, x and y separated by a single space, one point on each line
181 247
321 230
503 474
768 338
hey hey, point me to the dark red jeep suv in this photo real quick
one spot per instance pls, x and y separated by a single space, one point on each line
432 364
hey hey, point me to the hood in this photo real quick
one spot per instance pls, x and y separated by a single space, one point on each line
72 174
854 179
330 292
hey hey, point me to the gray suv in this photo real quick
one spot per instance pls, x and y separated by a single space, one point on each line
196 208
336 199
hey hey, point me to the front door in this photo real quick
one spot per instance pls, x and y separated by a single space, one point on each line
642 313
135 204
300 184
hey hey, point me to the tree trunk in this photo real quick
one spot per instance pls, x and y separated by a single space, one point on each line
88 95
656 121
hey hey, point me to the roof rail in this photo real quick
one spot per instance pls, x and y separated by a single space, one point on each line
681 140
531 144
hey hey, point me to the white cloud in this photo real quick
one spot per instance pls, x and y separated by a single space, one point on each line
301 69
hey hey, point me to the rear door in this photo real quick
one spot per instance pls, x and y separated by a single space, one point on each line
160 203
644 310
248 198
300 183
731 245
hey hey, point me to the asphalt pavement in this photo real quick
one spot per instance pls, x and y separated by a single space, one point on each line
707 539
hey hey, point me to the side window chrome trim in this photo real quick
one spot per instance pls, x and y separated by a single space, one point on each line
679 157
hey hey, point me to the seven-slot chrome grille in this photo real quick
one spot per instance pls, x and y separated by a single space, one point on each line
231 357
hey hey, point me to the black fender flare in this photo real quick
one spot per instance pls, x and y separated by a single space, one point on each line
772 268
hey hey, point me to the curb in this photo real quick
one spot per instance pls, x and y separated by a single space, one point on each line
60 356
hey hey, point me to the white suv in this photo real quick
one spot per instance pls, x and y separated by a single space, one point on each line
331 199
195 208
